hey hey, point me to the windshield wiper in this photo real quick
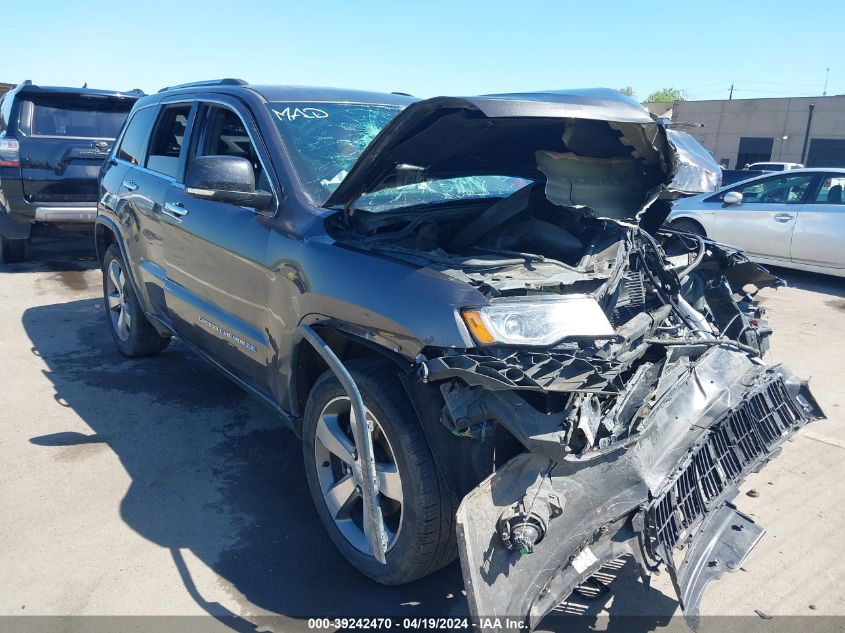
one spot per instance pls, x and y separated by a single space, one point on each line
529 257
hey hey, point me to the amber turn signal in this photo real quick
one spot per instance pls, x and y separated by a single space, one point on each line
476 326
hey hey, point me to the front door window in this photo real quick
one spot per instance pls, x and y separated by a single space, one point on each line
781 190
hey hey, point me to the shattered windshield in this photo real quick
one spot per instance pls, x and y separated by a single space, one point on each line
325 140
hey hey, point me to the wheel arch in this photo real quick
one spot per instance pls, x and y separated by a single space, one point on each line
688 219
462 463
307 365
106 234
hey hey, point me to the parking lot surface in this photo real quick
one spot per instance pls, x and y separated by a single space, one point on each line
157 487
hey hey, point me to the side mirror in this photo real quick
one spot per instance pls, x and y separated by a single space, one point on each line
229 179
731 198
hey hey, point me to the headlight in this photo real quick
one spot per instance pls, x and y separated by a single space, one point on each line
540 323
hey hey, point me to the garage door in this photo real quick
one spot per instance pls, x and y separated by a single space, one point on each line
826 152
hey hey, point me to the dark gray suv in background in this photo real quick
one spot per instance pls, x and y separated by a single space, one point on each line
53 141
467 310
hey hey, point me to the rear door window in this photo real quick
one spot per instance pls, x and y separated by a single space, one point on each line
167 140
831 191
135 138
78 116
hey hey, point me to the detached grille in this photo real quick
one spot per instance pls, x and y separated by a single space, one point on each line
734 446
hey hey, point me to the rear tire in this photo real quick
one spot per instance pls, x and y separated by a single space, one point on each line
133 334
690 226
13 251
421 539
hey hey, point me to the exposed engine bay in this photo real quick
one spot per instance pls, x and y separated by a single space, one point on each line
668 297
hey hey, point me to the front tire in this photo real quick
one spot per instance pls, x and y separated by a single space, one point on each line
689 226
419 513
133 334
13 251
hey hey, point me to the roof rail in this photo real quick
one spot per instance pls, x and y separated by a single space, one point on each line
228 81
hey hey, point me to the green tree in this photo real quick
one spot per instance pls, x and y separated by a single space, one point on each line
627 90
667 94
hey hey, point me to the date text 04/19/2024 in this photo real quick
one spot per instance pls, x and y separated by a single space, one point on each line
415 623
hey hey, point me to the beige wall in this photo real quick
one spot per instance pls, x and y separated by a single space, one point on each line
726 121
660 108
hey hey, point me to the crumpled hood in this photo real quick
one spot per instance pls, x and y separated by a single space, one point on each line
696 170
595 149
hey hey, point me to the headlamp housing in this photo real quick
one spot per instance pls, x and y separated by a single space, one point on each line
537 322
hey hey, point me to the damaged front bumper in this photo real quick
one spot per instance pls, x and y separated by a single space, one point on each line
661 491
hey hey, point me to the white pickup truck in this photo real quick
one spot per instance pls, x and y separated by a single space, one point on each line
773 166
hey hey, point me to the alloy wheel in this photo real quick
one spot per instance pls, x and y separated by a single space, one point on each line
118 302
339 471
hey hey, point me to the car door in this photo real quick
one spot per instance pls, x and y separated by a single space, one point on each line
214 251
153 165
819 237
762 224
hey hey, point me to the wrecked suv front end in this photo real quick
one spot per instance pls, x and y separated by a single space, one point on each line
635 442
612 371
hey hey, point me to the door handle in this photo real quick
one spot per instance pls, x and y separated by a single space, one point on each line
131 185
175 210
783 217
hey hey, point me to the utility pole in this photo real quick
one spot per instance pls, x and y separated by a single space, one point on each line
826 76
731 96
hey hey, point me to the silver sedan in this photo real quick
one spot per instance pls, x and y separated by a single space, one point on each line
794 219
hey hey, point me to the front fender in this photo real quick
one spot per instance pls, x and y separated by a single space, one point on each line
365 288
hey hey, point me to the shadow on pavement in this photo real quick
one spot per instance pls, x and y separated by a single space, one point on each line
811 282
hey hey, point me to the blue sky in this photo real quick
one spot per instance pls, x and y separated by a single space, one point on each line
433 47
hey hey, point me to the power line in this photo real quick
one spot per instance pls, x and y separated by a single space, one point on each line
790 89
715 83
728 90
774 83
773 92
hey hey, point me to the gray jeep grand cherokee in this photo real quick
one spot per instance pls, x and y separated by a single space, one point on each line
467 310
